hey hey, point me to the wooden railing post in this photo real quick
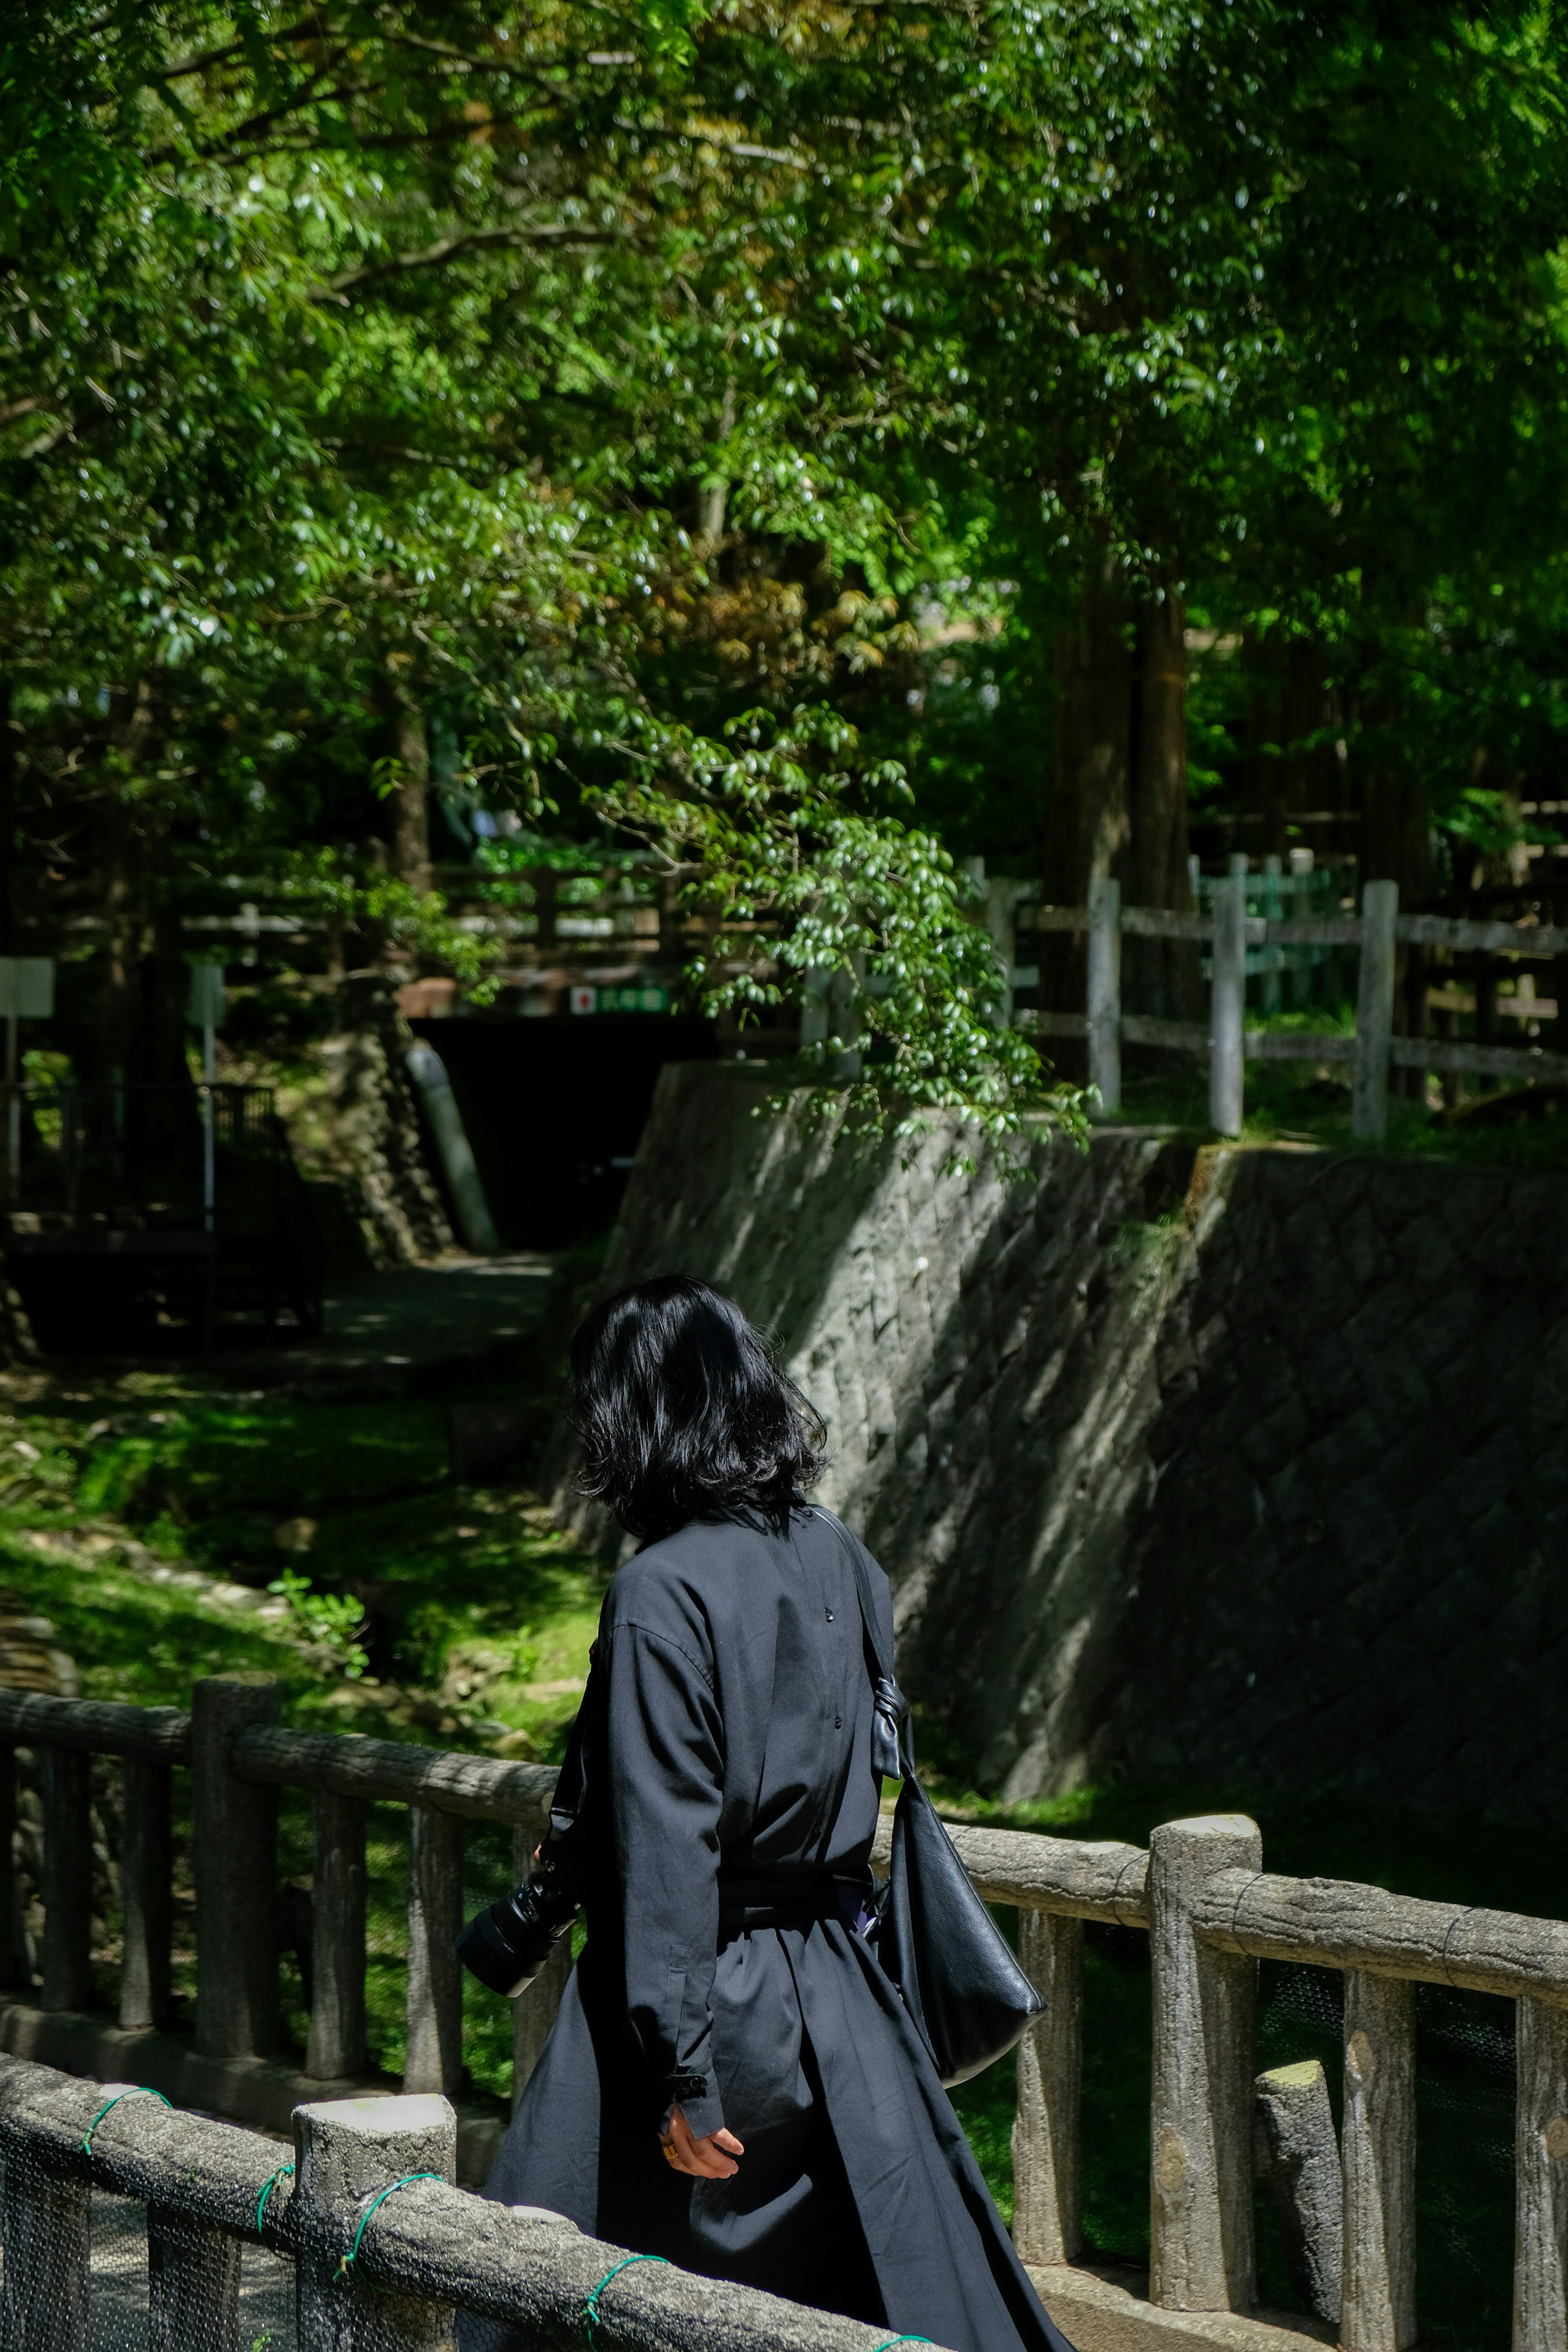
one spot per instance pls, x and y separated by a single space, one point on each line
193 2283
1047 2222
1105 989
1374 1009
146 1865
233 1855
1378 2304
535 2010
434 2057
1201 2253
1540 2179
1227 1004
65 1776
337 1938
345 2151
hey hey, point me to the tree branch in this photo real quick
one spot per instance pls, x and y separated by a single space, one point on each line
199 64
447 248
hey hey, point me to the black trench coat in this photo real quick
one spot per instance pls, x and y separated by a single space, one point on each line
727 1732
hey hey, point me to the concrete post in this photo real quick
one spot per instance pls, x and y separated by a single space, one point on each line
1374 1009
1200 2255
346 2151
146 1866
1378 2312
1299 2158
1541 2179
193 2283
45 2243
1105 989
434 2053
336 1939
234 1858
1046 2223
1227 1004
65 1778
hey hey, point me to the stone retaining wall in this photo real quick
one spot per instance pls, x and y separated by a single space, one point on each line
1245 1467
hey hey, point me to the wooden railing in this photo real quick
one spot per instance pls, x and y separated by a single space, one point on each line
1372 1048
372 2271
238 1755
1199 1891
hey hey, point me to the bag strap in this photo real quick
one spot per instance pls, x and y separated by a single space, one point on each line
892 1740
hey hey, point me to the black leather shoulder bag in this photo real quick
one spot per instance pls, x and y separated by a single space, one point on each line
958 1975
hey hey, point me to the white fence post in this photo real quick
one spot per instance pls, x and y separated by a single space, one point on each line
346 2151
1227 998
1201 2251
1105 989
1374 1009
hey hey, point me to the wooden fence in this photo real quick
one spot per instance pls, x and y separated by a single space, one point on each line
1200 1892
1372 1048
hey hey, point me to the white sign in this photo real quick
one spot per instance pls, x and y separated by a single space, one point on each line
584 1000
27 988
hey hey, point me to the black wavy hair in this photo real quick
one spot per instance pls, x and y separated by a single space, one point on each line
683 1413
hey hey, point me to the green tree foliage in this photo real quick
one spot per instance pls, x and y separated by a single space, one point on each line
532 394
365 372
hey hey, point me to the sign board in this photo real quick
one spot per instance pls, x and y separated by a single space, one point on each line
620 999
634 1000
27 988
205 1009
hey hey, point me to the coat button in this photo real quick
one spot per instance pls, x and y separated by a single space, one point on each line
838 1723
830 1616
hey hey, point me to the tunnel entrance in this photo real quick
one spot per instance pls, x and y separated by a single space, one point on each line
554 1108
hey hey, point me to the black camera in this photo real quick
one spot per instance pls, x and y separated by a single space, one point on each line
507 1946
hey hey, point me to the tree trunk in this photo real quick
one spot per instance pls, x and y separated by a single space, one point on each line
411 802
1089 820
168 995
1396 846
1163 974
1312 771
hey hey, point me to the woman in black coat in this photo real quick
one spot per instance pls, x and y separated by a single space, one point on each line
732 2081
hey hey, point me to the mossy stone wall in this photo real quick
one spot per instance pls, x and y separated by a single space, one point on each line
1248 1467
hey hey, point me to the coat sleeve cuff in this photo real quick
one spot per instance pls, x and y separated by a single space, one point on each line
699 2102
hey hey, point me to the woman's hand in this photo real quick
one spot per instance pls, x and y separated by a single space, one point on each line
704 2159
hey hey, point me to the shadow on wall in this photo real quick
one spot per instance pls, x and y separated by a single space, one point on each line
1219 1463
